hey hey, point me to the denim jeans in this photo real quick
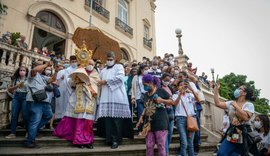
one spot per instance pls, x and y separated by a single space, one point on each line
230 149
140 107
40 113
186 137
170 112
18 104
197 137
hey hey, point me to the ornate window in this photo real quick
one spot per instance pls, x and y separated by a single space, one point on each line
147 40
51 20
99 7
123 11
146 32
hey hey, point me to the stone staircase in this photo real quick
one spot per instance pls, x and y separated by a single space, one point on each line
50 145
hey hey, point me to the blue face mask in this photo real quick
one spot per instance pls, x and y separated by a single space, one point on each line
66 66
146 88
237 93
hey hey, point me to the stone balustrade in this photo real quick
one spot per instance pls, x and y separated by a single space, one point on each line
11 58
4 109
211 116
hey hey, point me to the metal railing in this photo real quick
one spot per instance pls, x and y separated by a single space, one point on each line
123 26
147 42
98 8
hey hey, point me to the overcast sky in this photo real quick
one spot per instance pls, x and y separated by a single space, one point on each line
227 35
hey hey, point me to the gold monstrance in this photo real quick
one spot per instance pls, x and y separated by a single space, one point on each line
83 55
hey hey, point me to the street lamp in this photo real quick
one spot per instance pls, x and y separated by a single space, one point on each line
179 35
213 74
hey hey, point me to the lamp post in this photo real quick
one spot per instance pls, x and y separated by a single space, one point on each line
179 35
213 74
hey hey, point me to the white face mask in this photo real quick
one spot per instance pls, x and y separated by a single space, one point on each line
165 83
48 72
110 63
73 65
145 72
154 67
257 124
89 67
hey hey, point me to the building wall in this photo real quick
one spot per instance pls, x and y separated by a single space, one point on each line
74 13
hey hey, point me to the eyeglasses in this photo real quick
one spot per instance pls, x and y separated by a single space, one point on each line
109 59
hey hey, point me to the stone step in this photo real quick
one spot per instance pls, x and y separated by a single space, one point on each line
98 141
48 132
123 150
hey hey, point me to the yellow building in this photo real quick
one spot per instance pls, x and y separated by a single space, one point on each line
51 23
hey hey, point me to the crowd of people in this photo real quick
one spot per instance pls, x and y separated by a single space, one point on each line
160 93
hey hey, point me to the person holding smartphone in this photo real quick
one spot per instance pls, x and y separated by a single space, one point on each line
19 91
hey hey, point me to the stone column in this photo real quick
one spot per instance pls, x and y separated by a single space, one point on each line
4 56
10 60
17 63
182 60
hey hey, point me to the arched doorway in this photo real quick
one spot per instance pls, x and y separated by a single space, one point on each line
49 37
125 55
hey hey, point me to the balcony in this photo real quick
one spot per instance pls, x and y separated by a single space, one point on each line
98 9
122 26
11 58
147 43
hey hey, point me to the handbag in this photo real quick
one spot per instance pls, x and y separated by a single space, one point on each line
146 129
254 137
192 124
39 95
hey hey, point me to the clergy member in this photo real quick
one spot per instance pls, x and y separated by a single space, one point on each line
113 107
77 124
65 88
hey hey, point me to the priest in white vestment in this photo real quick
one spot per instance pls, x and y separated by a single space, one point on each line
113 109
64 88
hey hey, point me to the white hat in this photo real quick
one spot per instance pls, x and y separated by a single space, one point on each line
81 73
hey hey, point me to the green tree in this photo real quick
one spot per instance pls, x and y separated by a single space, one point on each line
262 105
232 81
14 37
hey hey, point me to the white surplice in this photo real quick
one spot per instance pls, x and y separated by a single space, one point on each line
113 99
65 91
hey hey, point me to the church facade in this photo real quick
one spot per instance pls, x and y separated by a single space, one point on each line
51 23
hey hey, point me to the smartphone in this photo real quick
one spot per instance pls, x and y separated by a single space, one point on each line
217 79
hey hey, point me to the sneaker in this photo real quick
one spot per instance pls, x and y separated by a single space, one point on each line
11 136
215 152
51 128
